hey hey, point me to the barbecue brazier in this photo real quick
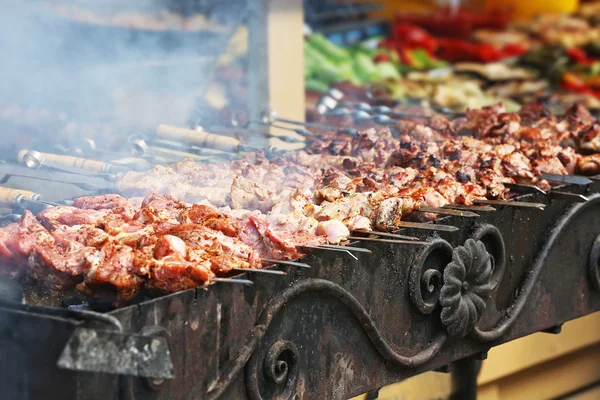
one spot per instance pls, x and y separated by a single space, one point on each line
344 327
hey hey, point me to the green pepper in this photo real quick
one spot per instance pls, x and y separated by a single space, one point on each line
316 85
387 70
330 50
425 61
346 73
365 68
320 66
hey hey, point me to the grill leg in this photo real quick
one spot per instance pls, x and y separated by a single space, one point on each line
464 379
373 394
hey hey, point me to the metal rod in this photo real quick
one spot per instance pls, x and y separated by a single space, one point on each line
519 188
10 218
350 248
290 263
233 280
446 211
35 206
386 234
427 226
262 271
340 250
395 241
568 196
539 206
464 207
574 179
81 185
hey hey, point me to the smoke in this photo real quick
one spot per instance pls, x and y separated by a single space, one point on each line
81 57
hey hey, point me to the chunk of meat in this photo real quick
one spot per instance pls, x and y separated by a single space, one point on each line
12 265
113 202
170 246
550 165
198 237
250 195
53 217
590 139
111 268
158 208
256 233
334 230
389 213
588 165
170 276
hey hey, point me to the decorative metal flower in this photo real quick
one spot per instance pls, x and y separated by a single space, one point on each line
466 287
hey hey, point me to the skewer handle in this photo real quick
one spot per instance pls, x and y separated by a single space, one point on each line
10 197
198 138
72 162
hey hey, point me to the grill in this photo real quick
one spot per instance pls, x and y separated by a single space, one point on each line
353 322
340 321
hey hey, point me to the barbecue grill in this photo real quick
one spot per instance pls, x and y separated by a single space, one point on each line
340 321
353 322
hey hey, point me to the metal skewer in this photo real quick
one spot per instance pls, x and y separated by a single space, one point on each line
10 218
386 234
428 227
290 263
567 196
523 204
34 159
464 207
447 211
270 116
348 248
233 280
339 250
262 271
574 179
393 241
519 188
82 185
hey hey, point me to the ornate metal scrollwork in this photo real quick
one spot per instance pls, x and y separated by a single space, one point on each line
594 264
280 368
517 307
494 244
466 288
251 359
279 375
425 280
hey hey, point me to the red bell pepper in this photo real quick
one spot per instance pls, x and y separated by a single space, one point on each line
514 49
573 83
579 56
413 37
381 58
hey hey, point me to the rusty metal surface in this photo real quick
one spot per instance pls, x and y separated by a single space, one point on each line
347 326
117 353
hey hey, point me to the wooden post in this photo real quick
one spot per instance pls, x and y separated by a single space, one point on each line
276 60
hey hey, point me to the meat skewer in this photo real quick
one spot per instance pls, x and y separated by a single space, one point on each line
575 197
262 271
386 234
380 240
244 282
298 202
290 263
518 204
572 179
427 227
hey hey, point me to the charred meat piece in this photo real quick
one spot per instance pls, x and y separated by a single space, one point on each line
588 165
113 202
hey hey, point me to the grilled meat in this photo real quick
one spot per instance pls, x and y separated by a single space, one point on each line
268 208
